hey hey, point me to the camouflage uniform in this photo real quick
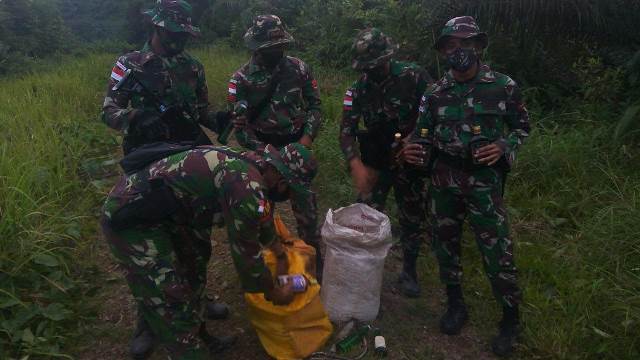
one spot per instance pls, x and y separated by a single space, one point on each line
291 111
177 83
458 187
206 183
393 102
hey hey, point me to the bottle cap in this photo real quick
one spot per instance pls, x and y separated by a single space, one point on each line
424 132
398 136
476 129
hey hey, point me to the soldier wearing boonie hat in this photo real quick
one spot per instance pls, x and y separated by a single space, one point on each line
386 98
474 141
281 103
160 73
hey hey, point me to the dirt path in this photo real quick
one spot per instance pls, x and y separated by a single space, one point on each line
410 326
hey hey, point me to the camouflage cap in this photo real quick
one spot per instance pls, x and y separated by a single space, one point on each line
173 15
462 27
371 48
296 163
266 31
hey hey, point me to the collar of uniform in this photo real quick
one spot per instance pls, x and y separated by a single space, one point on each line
148 54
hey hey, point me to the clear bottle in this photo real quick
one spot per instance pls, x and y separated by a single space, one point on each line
477 141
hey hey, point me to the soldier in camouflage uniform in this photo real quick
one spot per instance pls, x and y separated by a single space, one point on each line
160 89
386 97
469 184
158 218
160 93
280 104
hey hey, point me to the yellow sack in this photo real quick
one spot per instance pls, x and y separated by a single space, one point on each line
297 330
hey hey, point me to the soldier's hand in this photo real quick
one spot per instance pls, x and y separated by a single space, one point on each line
363 176
412 154
281 295
148 125
489 154
240 122
306 141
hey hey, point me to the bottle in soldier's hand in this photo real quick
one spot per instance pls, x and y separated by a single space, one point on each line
477 142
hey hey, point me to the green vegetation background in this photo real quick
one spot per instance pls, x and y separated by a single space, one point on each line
573 196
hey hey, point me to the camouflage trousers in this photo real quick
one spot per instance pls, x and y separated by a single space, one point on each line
305 210
410 194
476 194
170 296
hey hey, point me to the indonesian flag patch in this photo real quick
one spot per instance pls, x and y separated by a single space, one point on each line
348 100
117 73
314 84
264 209
233 90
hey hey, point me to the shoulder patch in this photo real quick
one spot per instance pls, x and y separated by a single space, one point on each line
232 90
348 100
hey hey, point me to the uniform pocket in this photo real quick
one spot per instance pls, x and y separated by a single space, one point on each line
490 114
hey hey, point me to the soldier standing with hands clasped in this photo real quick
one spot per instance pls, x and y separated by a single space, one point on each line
477 121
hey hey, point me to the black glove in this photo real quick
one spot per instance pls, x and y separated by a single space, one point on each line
219 121
149 127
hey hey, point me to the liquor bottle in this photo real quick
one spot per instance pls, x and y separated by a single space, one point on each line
424 140
239 109
396 147
380 345
354 338
477 141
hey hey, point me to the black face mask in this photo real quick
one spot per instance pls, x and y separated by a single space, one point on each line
271 58
173 43
462 59
277 196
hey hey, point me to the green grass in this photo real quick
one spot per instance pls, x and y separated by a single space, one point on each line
573 198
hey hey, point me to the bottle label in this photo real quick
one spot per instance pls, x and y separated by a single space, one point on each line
299 282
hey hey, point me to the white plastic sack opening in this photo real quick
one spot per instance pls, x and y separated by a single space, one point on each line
357 239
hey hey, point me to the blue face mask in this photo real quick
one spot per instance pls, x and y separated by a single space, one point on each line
462 59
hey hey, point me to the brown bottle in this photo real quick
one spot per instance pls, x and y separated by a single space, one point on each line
396 147
424 141
477 141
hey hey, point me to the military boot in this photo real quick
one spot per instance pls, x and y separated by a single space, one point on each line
456 316
216 344
217 311
408 278
142 342
502 345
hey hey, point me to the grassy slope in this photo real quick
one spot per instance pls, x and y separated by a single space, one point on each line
573 200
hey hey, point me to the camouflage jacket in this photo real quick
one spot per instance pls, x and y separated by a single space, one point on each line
492 100
209 183
293 107
396 99
176 81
